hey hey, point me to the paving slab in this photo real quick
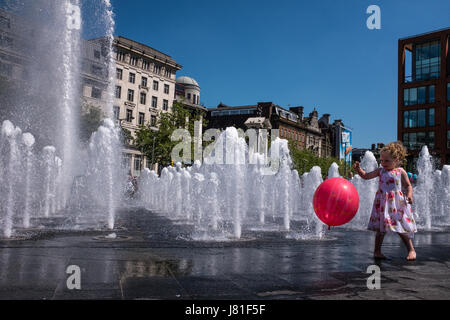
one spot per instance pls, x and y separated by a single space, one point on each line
154 259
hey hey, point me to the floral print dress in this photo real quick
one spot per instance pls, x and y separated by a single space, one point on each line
391 211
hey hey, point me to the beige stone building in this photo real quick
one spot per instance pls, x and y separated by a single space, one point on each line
145 81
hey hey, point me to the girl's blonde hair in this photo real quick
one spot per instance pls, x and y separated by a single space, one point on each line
396 150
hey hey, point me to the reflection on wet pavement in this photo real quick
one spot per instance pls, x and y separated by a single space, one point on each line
261 268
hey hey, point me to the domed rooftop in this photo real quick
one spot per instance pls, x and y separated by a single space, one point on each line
187 80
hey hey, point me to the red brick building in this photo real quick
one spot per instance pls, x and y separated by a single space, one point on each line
424 94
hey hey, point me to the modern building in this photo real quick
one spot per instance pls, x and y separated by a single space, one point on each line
424 94
306 132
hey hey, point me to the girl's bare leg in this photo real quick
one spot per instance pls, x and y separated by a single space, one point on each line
409 245
378 242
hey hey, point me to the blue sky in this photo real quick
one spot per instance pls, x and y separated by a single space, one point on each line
315 54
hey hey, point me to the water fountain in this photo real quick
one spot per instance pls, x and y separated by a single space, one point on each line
48 174
224 201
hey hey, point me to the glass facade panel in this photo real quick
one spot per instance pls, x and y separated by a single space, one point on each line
412 96
421 118
448 139
406 97
406 140
448 115
421 95
405 119
412 140
412 119
448 91
431 117
421 139
427 60
431 139
431 94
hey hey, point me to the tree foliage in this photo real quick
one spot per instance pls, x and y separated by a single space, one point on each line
90 120
304 160
156 144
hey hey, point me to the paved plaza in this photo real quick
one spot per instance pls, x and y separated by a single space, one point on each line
151 259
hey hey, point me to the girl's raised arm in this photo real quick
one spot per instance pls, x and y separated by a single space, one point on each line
366 175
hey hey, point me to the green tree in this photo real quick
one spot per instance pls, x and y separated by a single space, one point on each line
90 120
156 144
304 160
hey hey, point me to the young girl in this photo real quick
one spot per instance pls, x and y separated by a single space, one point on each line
391 208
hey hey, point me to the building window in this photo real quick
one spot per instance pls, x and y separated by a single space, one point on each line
166 89
133 60
120 56
116 112
137 165
421 118
132 78
421 95
448 115
96 93
153 121
165 105
431 117
5 69
448 139
189 97
428 60
168 73
145 64
119 74
129 115
118 92
97 54
144 82
126 160
130 95
96 70
5 22
416 140
155 85
431 94
141 118
154 102
6 42
430 141
448 91
157 69
143 98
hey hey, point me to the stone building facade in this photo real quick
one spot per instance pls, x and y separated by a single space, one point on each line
304 132
145 81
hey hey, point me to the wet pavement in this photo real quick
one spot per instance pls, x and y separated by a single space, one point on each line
152 260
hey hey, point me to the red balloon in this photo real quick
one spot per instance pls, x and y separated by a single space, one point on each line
336 201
